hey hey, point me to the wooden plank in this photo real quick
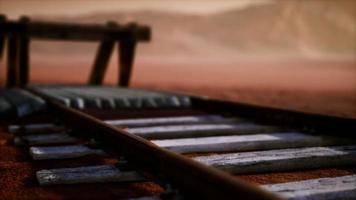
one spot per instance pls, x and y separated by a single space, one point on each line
63 152
199 130
85 32
78 32
89 174
141 122
248 142
35 128
44 139
144 122
282 159
343 187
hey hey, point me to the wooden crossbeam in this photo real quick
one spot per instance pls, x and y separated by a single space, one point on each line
73 31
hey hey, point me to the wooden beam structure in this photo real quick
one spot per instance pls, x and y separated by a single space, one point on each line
73 31
20 33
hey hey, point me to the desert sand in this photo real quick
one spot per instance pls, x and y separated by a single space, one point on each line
287 54
316 86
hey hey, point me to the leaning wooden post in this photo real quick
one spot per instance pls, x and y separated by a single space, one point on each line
23 58
126 55
102 59
2 37
12 60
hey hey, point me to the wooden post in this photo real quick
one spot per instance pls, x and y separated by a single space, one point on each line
12 60
102 59
2 38
101 62
24 44
126 57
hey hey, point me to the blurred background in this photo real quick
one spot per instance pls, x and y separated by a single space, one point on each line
292 54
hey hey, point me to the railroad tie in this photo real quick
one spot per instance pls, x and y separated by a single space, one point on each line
200 130
248 142
63 152
144 122
343 187
282 159
45 139
132 123
87 174
35 128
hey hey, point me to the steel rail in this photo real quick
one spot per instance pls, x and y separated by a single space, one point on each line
193 179
310 122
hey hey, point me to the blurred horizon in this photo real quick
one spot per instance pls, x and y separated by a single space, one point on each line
49 8
323 29
258 51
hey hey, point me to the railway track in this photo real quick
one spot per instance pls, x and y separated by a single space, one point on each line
96 142
197 149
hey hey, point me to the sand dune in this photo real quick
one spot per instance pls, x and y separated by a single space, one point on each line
317 28
290 54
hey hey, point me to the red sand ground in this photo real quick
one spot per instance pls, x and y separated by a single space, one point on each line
327 87
309 85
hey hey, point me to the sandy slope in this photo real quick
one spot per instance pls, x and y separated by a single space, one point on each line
290 54
327 87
